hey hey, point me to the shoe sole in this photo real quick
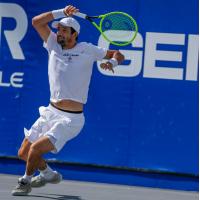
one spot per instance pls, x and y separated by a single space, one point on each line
20 194
53 182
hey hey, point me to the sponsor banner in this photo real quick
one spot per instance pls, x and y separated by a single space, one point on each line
145 115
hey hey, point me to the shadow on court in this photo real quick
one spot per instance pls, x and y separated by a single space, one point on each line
56 196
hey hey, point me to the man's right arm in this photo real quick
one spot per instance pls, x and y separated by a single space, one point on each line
40 23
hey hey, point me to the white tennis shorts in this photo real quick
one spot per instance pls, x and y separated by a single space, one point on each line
58 125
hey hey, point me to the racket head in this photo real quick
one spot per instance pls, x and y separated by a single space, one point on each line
118 28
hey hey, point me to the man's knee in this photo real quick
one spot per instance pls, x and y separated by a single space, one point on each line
24 149
22 154
34 153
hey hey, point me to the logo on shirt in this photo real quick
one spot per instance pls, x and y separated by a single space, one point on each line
70 56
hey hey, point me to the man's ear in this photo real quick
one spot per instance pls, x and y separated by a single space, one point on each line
75 34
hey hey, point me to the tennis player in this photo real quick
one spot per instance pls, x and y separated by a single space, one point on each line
69 69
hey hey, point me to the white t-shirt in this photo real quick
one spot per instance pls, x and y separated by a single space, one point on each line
70 70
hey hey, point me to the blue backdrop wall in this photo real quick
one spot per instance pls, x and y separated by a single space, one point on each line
143 116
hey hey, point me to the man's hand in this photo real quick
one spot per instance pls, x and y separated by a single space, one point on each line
108 66
70 10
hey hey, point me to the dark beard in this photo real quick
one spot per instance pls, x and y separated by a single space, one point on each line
61 41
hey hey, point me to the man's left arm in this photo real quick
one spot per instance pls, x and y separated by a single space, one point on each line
114 58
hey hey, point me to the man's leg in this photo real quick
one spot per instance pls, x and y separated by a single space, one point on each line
24 149
46 173
23 154
37 149
34 159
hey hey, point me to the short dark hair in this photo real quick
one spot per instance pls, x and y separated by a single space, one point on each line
73 31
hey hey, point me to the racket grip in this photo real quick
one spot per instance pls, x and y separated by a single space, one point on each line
81 15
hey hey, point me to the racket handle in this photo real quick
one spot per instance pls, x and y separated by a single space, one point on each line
81 15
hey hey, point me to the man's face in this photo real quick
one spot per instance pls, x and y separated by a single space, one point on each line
63 35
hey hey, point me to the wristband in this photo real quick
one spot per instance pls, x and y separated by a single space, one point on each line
58 13
113 61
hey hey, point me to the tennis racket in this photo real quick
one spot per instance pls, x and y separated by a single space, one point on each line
118 28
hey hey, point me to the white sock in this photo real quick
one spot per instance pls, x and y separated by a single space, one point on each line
28 178
48 173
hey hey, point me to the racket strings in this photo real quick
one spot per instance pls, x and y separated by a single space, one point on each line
118 22
118 28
